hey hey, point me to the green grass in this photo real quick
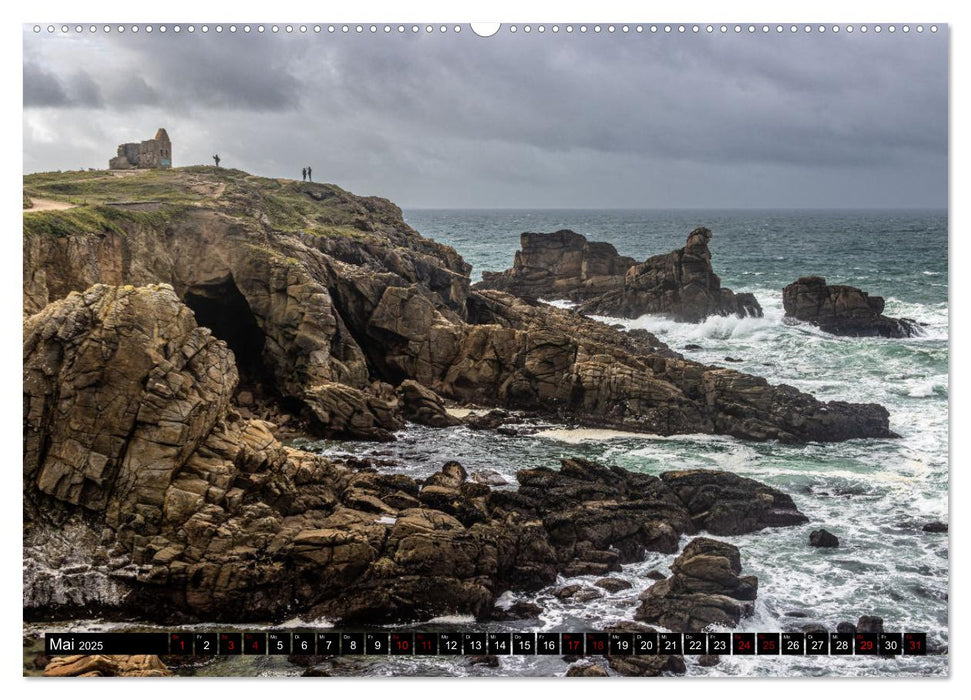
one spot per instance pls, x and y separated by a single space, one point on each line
288 206
83 187
86 220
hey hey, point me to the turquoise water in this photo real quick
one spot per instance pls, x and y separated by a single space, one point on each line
873 494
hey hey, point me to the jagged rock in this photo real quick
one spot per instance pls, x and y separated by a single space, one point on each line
327 319
587 594
490 420
823 538
567 591
705 589
586 669
680 284
489 477
725 504
843 310
164 501
103 665
424 406
560 265
613 585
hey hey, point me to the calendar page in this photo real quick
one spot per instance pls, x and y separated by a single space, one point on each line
485 350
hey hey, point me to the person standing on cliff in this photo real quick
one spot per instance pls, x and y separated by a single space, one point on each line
310 176
217 159
304 174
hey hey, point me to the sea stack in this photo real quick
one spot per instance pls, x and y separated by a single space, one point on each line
843 310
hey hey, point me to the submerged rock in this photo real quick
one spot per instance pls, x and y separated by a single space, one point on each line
935 527
823 538
843 310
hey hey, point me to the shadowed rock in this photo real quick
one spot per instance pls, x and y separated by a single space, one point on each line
705 589
681 285
843 310
146 492
560 265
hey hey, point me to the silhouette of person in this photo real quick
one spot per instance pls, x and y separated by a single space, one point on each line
304 174
310 176
217 159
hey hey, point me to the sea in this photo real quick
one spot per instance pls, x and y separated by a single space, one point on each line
875 495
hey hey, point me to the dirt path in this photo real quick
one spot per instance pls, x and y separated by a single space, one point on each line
45 204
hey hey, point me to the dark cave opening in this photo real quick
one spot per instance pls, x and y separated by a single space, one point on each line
222 308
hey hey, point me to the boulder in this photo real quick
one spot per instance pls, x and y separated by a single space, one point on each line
936 527
424 406
560 265
725 504
104 665
681 285
823 538
705 589
613 585
586 669
843 310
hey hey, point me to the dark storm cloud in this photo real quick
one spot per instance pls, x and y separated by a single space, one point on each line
44 89
458 120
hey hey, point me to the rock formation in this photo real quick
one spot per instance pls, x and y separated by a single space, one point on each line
680 284
560 265
843 310
145 491
704 589
94 665
565 265
330 301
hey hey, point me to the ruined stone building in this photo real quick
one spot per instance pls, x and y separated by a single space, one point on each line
154 153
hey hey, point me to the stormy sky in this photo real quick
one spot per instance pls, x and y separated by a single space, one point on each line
515 120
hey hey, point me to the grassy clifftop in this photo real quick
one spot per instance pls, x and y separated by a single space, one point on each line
103 199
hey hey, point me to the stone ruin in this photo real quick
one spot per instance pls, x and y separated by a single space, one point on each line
153 153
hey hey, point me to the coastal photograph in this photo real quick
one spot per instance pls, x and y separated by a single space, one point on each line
392 335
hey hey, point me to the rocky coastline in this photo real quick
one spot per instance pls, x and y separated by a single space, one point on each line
157 343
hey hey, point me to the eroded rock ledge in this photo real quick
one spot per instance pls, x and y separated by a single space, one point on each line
843 310
145 491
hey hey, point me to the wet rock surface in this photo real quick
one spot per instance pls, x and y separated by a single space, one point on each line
843 310
146 490
706 588
332 312
560 265
823 538
681 285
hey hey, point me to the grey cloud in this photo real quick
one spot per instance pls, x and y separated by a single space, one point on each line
393 113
